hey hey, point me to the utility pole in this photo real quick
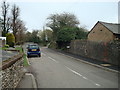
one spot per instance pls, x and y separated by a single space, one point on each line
46 37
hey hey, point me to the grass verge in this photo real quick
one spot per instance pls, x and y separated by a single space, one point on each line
25 60
19 48
3 48
25 63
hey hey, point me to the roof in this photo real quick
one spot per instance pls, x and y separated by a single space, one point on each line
111 26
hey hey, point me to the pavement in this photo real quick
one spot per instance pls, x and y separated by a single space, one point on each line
27 81
50 76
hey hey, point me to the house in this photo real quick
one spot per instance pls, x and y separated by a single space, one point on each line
2 41
104 32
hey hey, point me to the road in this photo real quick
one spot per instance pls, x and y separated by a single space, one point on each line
56 70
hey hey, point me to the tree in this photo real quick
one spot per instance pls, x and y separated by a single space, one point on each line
21 29
5 19
81 33
28 36
10 39
15 19
60 21
1 25
65 36
33 37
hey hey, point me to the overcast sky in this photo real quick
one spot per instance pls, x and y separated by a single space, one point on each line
34 13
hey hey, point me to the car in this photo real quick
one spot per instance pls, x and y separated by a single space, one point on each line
33 50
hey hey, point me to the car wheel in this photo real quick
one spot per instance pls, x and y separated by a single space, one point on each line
40 55
28 56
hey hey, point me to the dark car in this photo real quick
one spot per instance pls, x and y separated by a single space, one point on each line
33 50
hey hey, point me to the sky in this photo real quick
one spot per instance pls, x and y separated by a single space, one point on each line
119 12
34 13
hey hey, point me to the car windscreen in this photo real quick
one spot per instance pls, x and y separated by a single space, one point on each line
34 46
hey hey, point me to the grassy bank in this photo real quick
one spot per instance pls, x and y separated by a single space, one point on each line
25 63
3 48
25 60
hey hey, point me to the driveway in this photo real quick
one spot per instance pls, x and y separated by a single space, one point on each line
7 54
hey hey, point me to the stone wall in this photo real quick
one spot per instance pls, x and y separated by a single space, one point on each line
12 72
108 52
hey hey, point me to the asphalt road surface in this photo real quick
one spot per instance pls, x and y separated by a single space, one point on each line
56 70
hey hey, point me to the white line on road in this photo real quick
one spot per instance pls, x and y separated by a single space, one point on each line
97 84
73 71
53 59
82 76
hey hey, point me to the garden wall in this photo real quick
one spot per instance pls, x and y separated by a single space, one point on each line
12 72
108 52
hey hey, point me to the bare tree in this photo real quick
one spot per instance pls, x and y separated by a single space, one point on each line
15 15
5 18
8 24
21 29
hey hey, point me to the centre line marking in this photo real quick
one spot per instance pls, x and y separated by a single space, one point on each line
53 59
73 71
97 84
82 76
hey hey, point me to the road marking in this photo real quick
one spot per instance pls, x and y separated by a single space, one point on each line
82 76
53 59
97 84
73 71
94 83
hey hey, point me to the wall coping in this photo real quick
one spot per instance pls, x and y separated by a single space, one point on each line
11 61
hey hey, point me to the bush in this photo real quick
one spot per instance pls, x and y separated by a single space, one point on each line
7 46
10 39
